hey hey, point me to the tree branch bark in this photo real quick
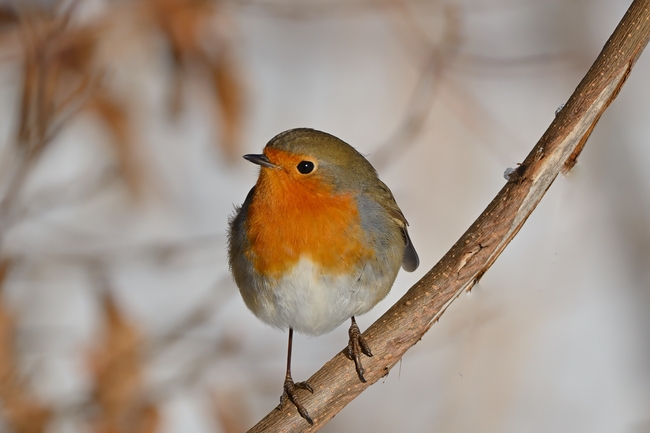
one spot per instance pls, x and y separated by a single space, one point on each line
336 383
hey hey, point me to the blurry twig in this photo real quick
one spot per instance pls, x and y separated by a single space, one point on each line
55 66
404 324
477 118
205 309
431 79
69 194
422 99
300 10
438 78
160 250
61 78
485 66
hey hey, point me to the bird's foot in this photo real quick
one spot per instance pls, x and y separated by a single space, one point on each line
356 345
290 393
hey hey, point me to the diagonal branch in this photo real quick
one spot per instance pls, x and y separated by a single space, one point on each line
336 383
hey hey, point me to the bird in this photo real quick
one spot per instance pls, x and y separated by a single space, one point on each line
318 241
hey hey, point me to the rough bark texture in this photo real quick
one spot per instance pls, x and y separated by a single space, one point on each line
336 383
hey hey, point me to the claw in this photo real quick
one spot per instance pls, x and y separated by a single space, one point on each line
357 345
290 393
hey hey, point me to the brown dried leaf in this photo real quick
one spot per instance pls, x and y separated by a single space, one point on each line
7 342
8 16
136 419
76 48
148 419
181 23
117 370
229 104
4 270
114 114
27 98
22 413
26 416
178 21
116 367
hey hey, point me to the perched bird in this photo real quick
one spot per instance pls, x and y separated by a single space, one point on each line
318 240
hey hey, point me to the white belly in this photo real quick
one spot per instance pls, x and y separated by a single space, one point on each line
314 303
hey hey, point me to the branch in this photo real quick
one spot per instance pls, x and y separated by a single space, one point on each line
336 383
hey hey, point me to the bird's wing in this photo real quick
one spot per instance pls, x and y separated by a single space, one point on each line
410 261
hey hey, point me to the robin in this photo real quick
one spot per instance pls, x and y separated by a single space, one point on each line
318 240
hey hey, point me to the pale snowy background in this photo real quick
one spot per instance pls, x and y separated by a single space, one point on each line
555 337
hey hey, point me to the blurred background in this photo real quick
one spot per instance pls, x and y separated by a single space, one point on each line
121 130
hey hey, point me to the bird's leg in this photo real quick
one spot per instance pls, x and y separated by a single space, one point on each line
290 386
356 345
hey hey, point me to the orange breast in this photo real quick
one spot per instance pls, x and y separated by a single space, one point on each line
291 217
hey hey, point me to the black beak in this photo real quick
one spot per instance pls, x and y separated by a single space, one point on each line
260 160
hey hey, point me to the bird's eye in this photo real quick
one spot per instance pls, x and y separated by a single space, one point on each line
305 167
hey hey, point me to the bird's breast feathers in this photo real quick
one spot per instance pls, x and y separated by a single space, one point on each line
313 301
311 262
